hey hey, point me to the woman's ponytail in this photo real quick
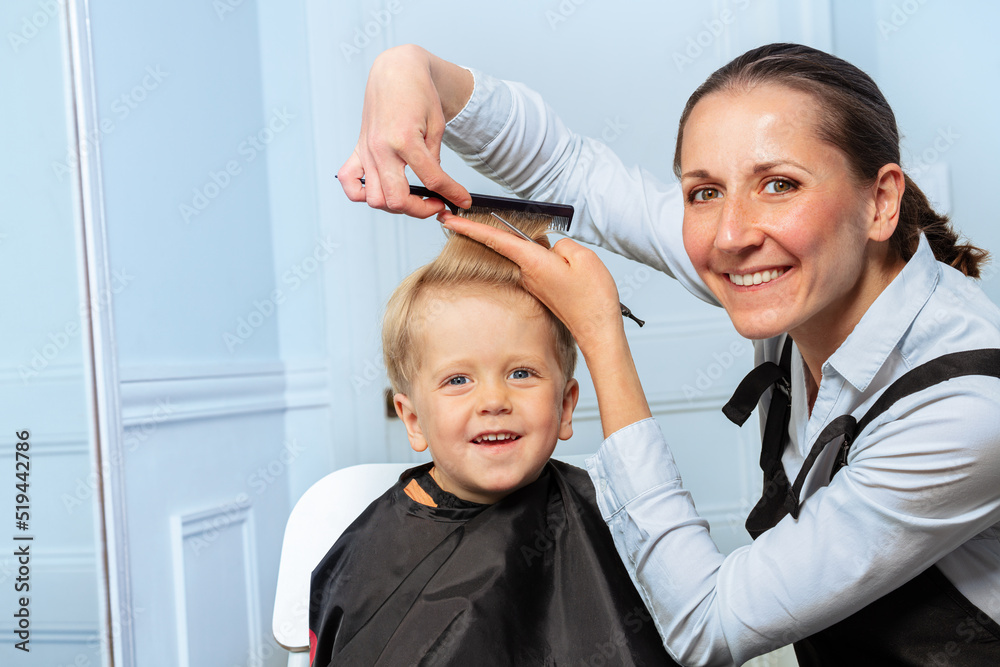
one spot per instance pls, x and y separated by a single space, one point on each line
916 216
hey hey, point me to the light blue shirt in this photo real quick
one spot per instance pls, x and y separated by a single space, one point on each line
922 484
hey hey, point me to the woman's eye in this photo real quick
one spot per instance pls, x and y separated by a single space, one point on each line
778 186
520 374
458 380
705 194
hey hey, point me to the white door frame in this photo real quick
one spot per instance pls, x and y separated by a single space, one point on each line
105 415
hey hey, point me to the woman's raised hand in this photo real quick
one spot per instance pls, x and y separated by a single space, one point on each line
410 96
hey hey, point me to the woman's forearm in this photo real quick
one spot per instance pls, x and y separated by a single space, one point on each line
619 390
454 85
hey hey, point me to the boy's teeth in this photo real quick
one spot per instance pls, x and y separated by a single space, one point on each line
755 278
492 437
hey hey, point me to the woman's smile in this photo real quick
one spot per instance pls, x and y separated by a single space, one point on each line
754 277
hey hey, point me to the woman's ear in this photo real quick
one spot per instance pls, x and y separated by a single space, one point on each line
889 187
408 414
571 394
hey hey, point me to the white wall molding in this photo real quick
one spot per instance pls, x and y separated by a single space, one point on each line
206 525
157 394
55 444
25 374
684 326
665 403
87 635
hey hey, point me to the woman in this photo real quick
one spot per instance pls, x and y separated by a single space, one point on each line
878 533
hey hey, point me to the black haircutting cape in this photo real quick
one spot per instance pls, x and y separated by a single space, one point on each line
531 580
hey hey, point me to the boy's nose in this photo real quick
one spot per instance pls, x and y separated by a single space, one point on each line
493 399
737 230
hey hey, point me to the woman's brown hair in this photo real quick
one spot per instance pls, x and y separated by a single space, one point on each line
855 118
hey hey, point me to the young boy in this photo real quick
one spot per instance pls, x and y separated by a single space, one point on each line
492 554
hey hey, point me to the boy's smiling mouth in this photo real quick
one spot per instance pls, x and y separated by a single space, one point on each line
495 437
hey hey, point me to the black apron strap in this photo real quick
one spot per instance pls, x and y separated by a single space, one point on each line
948 366
926 620
776 499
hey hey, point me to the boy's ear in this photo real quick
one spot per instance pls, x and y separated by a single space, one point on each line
408 414
571 394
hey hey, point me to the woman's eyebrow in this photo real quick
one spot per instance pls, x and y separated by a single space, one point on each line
768 166
757 169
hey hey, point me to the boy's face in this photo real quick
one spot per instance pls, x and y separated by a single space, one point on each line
488 397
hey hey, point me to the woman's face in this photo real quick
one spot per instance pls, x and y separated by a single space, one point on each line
774 221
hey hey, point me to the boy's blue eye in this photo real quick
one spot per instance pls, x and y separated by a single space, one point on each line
458 380
521 374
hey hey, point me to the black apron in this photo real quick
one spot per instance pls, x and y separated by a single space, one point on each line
927 621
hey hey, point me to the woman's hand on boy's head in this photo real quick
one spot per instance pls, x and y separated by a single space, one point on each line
402 123
569 279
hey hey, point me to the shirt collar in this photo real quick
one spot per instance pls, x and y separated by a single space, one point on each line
881 328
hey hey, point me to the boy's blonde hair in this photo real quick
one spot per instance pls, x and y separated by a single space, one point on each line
463 263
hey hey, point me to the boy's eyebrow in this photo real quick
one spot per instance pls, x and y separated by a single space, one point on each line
455 365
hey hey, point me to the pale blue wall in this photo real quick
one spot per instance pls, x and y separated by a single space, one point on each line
43 379
938 64
220 74
194 278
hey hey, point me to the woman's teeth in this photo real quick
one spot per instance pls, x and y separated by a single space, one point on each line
493 437
755 278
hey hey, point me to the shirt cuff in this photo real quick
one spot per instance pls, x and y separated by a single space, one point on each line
483 116
632 462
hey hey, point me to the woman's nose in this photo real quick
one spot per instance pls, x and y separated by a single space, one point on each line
493 398
737 229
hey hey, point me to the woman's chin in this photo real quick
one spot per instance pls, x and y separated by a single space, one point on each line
756 329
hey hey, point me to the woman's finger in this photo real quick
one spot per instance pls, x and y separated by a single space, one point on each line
428 169
523 253
350 175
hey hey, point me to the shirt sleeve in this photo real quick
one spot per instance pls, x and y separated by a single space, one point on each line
920 482
507 133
